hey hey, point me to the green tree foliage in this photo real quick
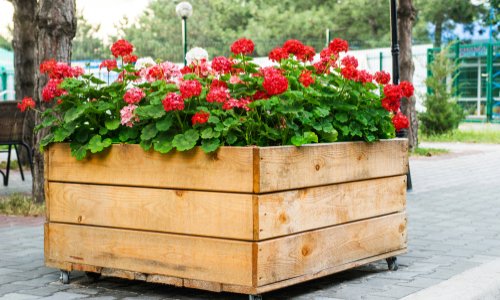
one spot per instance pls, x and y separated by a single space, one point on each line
5 43
86 44
442 113
445 14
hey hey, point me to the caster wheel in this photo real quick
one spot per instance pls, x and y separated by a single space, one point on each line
93 276
64 277
254 297
392 263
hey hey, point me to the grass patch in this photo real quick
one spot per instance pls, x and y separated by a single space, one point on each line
14 165
465 136
21 205
429 152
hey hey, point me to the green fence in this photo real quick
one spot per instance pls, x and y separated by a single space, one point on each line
477 84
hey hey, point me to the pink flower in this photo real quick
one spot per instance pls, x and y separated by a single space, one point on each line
237 103
218 94
221 64
235 79
127 115
134 95
167 71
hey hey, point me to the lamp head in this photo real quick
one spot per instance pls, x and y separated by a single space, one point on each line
184 9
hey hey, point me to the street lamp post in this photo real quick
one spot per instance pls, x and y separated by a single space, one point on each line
394 43
184 10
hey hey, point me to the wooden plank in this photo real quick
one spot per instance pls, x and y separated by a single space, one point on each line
46 164
310 252
228 215
295 211
190 257
229 169
288 167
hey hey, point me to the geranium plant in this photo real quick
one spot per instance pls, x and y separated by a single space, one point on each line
225 101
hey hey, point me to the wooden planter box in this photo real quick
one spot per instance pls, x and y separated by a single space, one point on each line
245 220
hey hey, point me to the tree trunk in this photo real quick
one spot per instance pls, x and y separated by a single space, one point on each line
24 44
406 18
438 33
56 28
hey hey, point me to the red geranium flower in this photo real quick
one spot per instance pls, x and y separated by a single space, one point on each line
190 88
364 76
200 117
350 61
294 47
134 95
391 104
218 83
274 82
406 88
350 73
305 78
277 54
242 46
400 121
173 101
260 95
237 103
221 64
129 59
26 103
307 54
218 94
382 77
109 64
52 90
338 45
121 48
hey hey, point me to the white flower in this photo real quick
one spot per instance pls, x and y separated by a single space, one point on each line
196 54
144 62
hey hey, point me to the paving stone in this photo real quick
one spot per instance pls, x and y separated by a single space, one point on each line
17 296
64 296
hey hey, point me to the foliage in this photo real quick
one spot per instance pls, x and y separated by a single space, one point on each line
445 14
5 44
86 44
230 101
19 204
442 113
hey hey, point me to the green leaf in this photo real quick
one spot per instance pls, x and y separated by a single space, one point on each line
149 132
150 111
103 130
74 113
307 138
146 145
96 144
48 120
209 133
112 124
321 112
128 133
49 138
186 141
210 145
213 120
62 133
341 117
165 123
97 80
330 136
78 150
163 143
231 138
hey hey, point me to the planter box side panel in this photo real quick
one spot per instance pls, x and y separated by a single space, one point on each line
229 169
290 212
285 168
311 252
171 211
189 257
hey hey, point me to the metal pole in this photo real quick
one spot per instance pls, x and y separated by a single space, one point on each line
394 43
184 38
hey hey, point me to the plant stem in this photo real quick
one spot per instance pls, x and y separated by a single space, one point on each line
179 120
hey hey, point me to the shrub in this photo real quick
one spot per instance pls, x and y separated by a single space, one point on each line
442 113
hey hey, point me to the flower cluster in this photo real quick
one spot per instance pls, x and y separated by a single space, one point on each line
226 101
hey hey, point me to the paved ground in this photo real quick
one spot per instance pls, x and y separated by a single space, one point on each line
454 226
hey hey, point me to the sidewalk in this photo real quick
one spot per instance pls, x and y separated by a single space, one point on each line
453 233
